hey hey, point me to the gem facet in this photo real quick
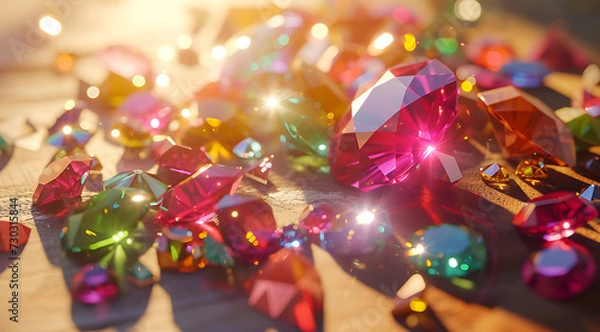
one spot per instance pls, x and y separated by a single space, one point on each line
525 126
317 219
248 148
62 179
289 289
562 269
11 231
140 276
197 196
590 193
584 126
394 124
147 110
260 170
94 284
140 180
179 162
447 250
532 170
554 216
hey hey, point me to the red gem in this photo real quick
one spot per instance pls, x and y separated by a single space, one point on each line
179 162
555 215
260 170
558 52
394 124
562 269
94 284
317 219
197 196
152 113
62 179
288 288
248 225
10 231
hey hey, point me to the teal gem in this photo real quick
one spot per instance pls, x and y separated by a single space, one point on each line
140 276
138 179
447 250
217 253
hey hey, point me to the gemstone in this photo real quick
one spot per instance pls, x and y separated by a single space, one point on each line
140 276
248 226
69 137
260 170
447 250
248 148
293 236
584 127
189 247
317 219
393 125
357 231
138 179
554 216
109 228
288 288
525 126
129 134
62 179
590 193
76 115
592 166
147 110
160 144
591 104
484 78
525 74
13 235
218 127
197 196
444 167
489 53
179 162
558 52
94 284
562 269
532 170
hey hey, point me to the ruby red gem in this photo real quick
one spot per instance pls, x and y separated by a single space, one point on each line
62 179
259 172
179 162
288 288
558 52
555 215
394 124
197 196
562 269
10 231
94 284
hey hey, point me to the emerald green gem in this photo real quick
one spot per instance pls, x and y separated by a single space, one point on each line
109 228
306 126
584 127
447 250
138 179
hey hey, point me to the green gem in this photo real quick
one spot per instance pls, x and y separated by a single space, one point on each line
217 253
140 276
447 250
138 179
306 126
584 127
109 228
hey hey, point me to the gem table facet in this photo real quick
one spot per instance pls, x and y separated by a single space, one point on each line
525 126
532 170
62 179
447 250
554 216
140 180
495 175
94 284
562 269
393 124
197 196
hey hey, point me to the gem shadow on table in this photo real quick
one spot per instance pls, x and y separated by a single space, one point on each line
121 313
512 189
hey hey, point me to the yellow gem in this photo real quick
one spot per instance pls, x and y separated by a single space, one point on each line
495 175
532 170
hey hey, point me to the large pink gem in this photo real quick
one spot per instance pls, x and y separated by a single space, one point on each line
555 215
562 269
394 124
149 111
62 179
196 197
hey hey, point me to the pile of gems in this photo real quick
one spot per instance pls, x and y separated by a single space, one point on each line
367 108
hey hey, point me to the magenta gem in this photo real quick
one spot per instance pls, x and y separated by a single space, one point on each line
62 179
394 124
554 216
562 269
94 284
179 162
317 219
196 197
147 110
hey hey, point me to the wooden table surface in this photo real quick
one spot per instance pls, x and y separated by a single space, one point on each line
357 292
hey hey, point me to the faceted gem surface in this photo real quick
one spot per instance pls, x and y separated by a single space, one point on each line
109 227
9 232
179 162
562 269
495 175
532 170
188 247
393 125
94 284
525 126
525 74
260 170
590 193
140 276
558 52
69 137
62 179
248 226
78 116
447 250
592 167
138 179
293 236
591 104
289 289
584 126
160 144
197 196
554 216
317 219
248 148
